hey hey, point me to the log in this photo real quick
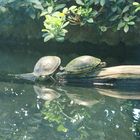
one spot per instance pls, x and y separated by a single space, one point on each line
124 71
117 76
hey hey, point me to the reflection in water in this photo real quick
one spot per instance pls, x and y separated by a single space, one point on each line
67 113
83 96
103 118
45 93
121 94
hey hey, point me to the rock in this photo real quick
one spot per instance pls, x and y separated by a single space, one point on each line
17 25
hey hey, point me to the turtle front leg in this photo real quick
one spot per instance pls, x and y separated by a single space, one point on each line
52 79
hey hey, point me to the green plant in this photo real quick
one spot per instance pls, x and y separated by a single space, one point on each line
126 22
116 15
54 26
113 14
137 6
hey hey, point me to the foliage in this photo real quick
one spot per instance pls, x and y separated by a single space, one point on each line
54 26
106 15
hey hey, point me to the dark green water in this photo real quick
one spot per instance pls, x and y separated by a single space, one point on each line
48 112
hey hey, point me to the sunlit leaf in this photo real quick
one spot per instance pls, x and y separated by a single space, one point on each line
61 128
65 31
90 20
131 23
72 7
137 9
45 34
44 13
65 24
50 9
47 38
136 3
102 2
38 6
126 28
2 9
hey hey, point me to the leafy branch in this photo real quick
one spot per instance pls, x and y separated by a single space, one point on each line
113 14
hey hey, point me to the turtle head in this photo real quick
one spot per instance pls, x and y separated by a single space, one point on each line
103 64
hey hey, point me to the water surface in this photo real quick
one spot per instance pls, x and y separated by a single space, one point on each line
49 112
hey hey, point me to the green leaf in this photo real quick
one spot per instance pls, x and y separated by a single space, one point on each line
60 39
44 13
132 17
59 6
32 13
126 18
90 2
2 9
96 2
131 23
102 2
72 8
126 8
126 28
35 2
64 31
80 2
50 9
65 10
47 38
45 34
38 6
120 25
65 24
137 9
61 128
90 20
136 3
114 18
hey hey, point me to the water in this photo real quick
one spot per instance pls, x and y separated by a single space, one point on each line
49 112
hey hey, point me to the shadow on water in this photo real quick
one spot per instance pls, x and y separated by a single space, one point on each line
37 112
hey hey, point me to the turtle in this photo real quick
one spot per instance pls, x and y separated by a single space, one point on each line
82 65
44 67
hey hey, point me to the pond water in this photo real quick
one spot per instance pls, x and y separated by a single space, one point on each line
49 112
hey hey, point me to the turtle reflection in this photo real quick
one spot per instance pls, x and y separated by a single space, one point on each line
46 93
83 96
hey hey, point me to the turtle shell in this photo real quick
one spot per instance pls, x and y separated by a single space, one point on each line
46 65
82 64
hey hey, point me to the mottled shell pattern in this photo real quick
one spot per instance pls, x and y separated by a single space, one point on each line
82 64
